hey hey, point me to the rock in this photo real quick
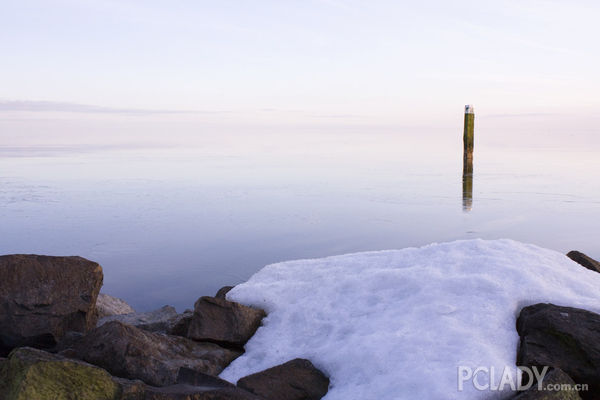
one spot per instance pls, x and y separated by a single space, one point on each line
163 320
188 376
32 374
132 353
552 378
136 390
42 297
295 380
561 337
584 260
222 293
65 346
108 305
180 325
185 392
224 322
159 320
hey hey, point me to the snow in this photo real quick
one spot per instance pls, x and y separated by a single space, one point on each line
397 324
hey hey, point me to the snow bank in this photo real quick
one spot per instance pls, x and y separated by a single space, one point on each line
397 324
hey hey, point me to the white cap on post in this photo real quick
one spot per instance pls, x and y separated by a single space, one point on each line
469 109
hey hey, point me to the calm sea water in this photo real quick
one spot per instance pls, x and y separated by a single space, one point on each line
171 224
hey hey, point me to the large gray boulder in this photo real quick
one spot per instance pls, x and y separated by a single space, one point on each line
128 352
42 297
554 379
561 337
297 379
107 305
225 322
584 260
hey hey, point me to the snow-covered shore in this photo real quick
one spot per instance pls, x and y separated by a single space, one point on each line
397 324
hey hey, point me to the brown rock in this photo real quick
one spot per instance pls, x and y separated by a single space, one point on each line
584 260
136 390
67 342
180 324
42 297
295 380
222 293
187 376
224 322
132 353
31 374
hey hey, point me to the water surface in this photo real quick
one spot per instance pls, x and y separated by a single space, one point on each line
169 224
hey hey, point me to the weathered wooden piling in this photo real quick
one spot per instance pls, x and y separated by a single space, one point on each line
468 140
469 131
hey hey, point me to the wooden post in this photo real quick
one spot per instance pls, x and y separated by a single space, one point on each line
469 132
468 140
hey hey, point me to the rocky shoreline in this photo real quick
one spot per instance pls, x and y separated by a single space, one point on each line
57 347
63 339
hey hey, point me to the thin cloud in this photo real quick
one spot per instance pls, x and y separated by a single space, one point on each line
519 115
336 116
55 106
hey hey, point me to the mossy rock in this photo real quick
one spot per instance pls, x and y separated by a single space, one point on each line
556 385
31 374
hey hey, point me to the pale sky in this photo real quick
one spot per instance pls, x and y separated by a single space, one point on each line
96 65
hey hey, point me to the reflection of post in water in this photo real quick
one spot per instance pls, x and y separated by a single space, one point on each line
467 183
468 140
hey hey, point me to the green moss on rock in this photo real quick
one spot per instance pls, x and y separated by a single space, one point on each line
31 374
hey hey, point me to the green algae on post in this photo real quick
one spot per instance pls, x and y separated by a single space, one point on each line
469 131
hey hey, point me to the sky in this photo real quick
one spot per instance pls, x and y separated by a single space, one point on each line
101 70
